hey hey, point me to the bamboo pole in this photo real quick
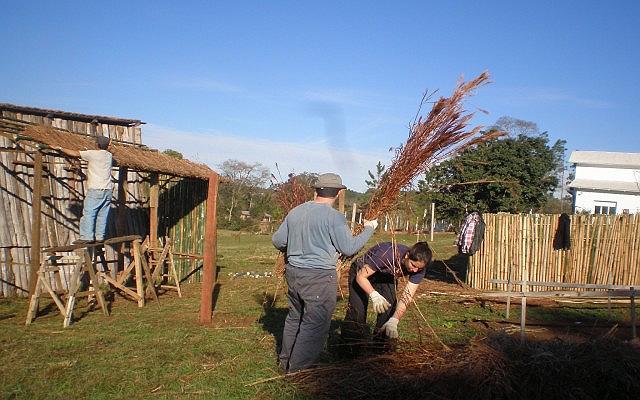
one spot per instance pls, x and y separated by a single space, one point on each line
153 210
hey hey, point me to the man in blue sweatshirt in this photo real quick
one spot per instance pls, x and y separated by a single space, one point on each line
313 235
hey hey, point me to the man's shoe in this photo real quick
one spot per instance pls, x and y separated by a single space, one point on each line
82 241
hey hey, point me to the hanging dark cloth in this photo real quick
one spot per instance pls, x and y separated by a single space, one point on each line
562 238
471 234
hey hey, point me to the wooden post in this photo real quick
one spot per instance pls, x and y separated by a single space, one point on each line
36 220
209 264
523 311
433 219
353 216
341 197
508 298
153 211
137 255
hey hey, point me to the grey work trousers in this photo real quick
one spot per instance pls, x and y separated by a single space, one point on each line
312 300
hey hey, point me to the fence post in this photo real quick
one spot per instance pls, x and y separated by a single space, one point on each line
633 312
523 313
433 221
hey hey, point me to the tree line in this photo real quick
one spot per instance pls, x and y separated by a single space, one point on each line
519 172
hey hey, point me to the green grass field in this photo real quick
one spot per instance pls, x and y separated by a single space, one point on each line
161 352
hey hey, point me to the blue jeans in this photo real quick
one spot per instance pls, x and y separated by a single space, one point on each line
93 224
312 300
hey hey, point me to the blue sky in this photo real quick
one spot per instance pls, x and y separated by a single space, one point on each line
324 86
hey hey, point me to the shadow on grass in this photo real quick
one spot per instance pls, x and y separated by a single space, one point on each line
441 270
273 318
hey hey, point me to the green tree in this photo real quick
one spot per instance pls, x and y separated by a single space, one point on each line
173 153
242 182
374 180
513 174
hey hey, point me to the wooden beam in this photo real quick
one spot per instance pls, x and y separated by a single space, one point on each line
36 222
341 197
153 210
210 252
121 216
111 241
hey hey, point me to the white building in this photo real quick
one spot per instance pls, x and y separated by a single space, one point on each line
606 182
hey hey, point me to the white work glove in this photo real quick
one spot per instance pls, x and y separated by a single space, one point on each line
373 223
380 304
390 328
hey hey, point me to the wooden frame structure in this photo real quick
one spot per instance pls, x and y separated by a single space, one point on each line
29 145
571 291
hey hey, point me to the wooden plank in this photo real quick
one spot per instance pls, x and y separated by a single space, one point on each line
563 293
115 240
209 271
137 256
9 277
565 285
36 221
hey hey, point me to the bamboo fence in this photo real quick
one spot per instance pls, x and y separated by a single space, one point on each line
182 217
182 210
605 249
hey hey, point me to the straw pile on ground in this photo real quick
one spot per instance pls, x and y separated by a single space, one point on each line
497 367
439 135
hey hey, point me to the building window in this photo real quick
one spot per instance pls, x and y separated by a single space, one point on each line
607 210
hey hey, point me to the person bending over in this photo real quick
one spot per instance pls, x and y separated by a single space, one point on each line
373 278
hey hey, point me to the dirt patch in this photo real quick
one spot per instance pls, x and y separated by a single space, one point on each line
230 320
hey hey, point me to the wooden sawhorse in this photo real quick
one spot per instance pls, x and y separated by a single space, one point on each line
157 258
84 262
49 265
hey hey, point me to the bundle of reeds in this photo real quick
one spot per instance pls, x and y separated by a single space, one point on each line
291 193
439 135
288 195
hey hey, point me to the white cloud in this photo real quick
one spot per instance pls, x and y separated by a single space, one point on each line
214 147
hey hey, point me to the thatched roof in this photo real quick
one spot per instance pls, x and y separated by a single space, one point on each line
134 157
100 119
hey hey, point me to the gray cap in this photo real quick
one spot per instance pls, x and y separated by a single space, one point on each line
329 180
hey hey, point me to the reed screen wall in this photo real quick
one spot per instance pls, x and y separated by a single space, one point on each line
605 249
